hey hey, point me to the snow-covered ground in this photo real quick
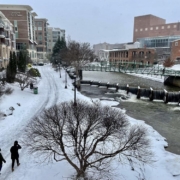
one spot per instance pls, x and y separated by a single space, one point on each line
51 91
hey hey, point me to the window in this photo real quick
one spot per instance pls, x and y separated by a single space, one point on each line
16 33
168 26
39 49
176 43
136 30
175 26
162 27
20 46
39 23
141 29
39 37
151 28
157 27
146 29
39 28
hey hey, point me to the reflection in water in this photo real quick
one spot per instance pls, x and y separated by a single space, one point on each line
162 117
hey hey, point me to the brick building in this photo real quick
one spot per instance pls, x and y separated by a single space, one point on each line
175 50
153 32
7 40
41 38
142 55
22 17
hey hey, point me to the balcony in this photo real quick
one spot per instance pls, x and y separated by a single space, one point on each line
2 24
2 35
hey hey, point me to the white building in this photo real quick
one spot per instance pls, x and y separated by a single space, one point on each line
53 34
7 40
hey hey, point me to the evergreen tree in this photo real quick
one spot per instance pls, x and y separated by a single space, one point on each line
22 60
14 66
59 45
11 68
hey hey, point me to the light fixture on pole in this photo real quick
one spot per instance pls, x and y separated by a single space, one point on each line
75 104
59 70
66 78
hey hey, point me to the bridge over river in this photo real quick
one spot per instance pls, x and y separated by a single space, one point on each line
132 67
170 76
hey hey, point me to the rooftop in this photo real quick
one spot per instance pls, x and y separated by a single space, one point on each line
15 6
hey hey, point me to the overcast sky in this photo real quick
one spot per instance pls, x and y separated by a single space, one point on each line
98 21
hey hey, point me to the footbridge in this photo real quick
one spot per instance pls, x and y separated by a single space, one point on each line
131 67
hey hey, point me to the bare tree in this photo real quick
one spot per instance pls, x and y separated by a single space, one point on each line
88 136
24 79
77 54
168 63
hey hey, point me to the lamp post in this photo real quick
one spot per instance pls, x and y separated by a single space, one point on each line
65 78
75 104
59 69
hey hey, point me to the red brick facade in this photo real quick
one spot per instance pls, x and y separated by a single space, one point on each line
145 55
152 26
175 50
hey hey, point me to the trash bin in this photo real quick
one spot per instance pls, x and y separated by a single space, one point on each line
35 90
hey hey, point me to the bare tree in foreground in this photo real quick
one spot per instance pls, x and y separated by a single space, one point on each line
88 136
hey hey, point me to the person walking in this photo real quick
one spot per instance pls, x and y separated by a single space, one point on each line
1 160
14 154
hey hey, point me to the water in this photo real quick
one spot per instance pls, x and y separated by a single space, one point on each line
162 117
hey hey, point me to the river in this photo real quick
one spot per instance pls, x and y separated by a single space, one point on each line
162 117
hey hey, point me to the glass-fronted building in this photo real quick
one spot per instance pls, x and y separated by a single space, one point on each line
157 42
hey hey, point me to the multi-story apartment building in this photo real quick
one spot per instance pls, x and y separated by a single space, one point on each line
153 32
53 34
22 17
41 38
7 40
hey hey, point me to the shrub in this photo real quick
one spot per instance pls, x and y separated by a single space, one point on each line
8 90
34 72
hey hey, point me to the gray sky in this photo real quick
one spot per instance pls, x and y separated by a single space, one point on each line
98 21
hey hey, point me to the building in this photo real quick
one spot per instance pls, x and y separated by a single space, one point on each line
7 40
153 32
103 54
41 38
22 17
175 50
53 34
139 55
106 46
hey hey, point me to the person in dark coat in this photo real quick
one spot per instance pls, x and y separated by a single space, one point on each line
1 161
14 154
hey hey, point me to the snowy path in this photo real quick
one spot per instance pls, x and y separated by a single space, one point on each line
44 100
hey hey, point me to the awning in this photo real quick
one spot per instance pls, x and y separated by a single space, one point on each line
35 43
30 41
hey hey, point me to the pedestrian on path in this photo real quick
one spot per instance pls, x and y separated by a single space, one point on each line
1 161
14 154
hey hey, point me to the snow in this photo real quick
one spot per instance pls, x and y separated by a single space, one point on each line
51 90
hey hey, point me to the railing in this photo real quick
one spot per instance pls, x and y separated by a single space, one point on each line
131 67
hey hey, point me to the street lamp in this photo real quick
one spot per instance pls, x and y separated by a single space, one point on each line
75 104
66 78
59 70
